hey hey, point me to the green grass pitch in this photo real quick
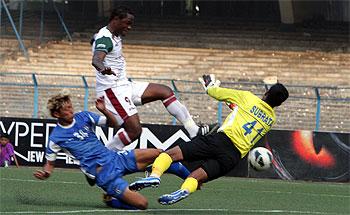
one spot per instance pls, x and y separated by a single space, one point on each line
67 192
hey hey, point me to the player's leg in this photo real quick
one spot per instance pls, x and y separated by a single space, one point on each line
144 157
117 203
120 196
208 171
119 102
163 162
176 168
194 151
202 148
129 200
113 202
154 92
132 128
135 198
222 156
189 186
109 178
160 165
130 131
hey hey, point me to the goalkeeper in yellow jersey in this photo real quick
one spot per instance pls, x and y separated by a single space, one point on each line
251 118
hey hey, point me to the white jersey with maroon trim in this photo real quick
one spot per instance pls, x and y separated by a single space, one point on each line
106 42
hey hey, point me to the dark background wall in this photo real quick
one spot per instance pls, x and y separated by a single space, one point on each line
243 10
298 155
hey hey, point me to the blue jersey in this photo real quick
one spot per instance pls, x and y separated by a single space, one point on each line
80 141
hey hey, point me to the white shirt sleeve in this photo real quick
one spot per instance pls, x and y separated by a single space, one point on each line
102 121
52 150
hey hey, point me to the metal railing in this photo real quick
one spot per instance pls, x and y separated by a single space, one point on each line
308 107
18 34
28 18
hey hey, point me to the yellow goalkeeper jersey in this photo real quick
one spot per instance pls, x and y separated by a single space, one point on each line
251 118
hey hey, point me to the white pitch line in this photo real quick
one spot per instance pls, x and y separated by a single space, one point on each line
279 181
215 189
286 211
117 210
165 210
286 192
173 210
306 194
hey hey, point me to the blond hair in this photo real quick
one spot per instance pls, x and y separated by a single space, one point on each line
55 103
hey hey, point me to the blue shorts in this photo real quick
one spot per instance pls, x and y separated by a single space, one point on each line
110 177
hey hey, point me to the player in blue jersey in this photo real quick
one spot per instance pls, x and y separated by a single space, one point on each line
74 134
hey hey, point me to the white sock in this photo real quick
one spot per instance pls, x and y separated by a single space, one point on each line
180 112
120 139
191 127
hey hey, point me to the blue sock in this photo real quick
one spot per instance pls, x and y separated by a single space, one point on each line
178 169
116 203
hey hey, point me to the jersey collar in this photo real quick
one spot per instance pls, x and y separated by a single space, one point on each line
67 126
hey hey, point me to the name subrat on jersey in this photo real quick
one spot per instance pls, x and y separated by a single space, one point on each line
250 119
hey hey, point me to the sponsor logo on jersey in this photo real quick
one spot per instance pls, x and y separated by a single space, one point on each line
118 191
100 46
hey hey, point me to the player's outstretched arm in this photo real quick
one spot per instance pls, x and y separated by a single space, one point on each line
45 172
209 81
101 106
97 62
213 89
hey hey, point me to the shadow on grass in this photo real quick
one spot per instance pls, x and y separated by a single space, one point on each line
57 202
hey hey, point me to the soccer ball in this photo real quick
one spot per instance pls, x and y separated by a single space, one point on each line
260 158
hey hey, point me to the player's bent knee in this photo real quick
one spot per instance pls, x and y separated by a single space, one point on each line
135 199
200 175
138 131
165 91
135 134
143 204
140 203
144 157
168 93
133 127
175 153
156 152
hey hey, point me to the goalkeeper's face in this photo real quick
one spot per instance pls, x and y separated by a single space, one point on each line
65 114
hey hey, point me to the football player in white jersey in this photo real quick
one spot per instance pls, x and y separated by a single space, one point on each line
122 95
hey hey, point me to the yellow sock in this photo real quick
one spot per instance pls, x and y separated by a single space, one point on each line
161 164
190 184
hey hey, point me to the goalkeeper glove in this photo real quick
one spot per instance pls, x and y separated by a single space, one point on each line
209 81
